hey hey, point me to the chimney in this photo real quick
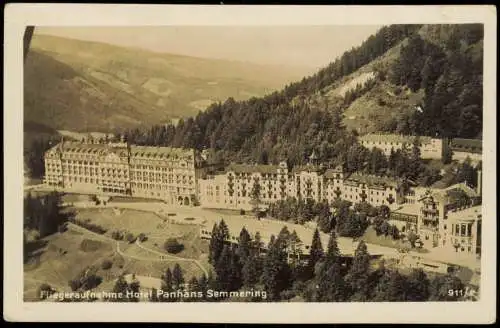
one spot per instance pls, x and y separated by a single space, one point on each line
479 181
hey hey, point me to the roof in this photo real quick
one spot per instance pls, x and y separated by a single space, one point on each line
161 152
121 150
394 138
409 209
331 173
305 168
463 187
371 180
467 145
248 168
470 213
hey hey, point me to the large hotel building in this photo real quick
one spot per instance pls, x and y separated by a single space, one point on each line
176 176
167 174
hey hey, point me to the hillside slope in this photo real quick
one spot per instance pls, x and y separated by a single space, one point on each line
79 85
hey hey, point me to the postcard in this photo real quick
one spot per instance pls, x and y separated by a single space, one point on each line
250 164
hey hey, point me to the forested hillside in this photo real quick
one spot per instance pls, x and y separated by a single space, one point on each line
418 76
281 125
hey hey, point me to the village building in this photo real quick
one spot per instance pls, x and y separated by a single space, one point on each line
430 148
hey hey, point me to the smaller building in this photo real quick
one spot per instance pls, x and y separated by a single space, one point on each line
430 148
465 230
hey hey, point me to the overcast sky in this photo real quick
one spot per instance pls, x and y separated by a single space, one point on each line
312 46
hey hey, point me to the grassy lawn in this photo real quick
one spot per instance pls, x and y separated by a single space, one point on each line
370 236
65 255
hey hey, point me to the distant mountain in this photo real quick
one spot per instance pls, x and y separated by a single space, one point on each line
89 86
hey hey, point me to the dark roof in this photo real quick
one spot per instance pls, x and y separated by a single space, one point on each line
371 180
467 145
307 168
331 173
247 168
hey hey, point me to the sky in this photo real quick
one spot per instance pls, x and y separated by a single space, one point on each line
305 46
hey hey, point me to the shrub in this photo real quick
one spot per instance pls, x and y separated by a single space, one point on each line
242 212
90 226
142 237
130 237
87 279
173 246
106 264
88 245
117 235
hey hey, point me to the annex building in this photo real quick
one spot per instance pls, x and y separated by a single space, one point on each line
430 148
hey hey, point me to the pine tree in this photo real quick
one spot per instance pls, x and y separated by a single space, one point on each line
418 286
167 286
250 272
332 251
177 277
244 244
223 269
276 273
120 289
153 297
220 234
235 274
315 252
356 278
203 286
134 287
194 287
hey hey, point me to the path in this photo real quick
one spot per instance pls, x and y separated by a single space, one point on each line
163 256
209 218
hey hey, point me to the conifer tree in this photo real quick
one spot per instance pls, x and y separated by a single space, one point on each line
134 287
418 286
357 277
276 271
315 252
223 269
194 287
153 297
203 286
215 247
177 277
244 244
235 274
120 289
167 285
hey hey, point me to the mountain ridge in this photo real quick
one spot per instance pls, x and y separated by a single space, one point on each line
170 85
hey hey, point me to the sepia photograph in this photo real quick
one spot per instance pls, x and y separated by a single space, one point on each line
231 163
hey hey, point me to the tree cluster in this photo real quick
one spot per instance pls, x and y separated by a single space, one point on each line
450 73
45 213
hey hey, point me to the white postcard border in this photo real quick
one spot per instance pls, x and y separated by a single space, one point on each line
18 16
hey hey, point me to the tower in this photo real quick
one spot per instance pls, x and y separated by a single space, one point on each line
313 158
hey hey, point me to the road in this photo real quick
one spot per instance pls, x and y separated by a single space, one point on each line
208 218
162 257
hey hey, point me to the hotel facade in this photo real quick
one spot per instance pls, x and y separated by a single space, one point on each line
176 176
167 174
239 186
